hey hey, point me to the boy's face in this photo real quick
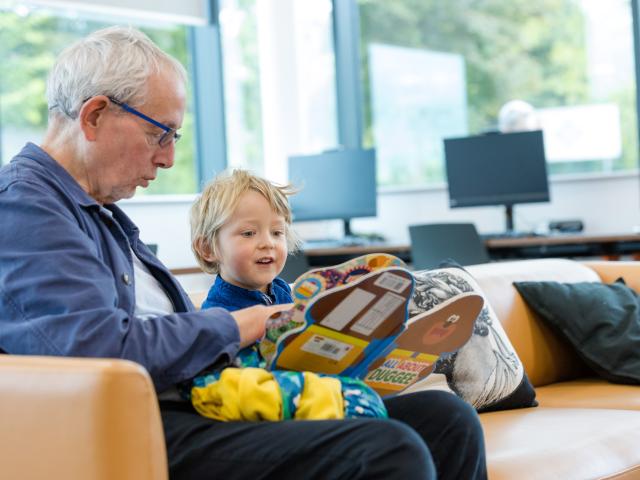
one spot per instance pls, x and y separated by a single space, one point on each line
252 244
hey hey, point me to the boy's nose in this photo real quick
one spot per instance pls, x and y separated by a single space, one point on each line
266 240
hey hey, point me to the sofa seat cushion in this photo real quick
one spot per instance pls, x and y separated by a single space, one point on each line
559 443
589 393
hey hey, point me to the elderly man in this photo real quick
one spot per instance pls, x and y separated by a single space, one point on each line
76 280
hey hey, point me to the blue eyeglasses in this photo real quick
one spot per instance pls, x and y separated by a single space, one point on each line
169 135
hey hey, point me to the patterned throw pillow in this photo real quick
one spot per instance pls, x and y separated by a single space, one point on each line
486 371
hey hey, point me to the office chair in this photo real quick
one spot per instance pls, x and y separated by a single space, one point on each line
296 265
434 242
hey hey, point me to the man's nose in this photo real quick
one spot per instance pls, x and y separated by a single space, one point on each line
165 156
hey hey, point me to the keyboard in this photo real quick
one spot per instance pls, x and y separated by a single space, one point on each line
517 234
340 243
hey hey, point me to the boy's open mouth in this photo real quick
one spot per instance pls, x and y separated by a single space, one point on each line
265 261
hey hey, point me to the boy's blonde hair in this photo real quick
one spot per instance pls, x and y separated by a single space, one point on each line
218 201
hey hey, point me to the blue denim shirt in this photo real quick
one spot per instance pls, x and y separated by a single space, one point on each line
67 283
231 297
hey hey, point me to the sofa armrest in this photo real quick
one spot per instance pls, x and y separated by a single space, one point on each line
77 418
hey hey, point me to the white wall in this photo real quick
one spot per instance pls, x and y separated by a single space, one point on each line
605 205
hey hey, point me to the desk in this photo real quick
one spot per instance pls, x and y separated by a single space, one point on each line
611 246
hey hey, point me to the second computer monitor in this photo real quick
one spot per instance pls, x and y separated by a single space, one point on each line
338 184
497 169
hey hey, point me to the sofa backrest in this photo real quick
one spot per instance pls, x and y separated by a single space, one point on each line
546 357
610 271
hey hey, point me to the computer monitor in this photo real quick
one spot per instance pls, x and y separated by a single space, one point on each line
337 184
497 169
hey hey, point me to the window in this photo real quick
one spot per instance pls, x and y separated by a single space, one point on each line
279 81
30 39
434 69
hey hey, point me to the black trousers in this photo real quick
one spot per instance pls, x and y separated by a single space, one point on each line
429 435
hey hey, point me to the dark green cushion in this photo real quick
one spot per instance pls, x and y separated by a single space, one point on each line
601 321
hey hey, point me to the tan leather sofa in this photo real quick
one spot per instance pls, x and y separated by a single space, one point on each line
584 427
98 419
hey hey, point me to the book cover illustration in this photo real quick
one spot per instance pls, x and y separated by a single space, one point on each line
352 320
413 355
311 284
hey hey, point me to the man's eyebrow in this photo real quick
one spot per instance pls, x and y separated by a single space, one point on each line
159 128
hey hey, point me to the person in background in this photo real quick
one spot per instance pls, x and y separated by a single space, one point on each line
518 116
76 280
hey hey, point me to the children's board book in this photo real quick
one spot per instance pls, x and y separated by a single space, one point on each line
352 320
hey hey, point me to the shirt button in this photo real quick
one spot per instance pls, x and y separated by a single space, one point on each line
126 279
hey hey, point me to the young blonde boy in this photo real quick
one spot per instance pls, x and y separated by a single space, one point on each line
241 231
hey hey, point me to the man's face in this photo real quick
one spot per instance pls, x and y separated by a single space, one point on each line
126 154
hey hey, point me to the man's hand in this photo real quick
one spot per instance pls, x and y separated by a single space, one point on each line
252 321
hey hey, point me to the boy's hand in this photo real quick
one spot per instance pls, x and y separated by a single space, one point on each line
252 321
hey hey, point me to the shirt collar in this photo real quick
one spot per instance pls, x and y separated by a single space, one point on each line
239 292
74 190
53 168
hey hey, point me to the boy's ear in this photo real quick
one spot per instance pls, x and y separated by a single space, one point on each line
203 247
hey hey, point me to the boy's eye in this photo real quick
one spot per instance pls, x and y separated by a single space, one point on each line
247 233
278 233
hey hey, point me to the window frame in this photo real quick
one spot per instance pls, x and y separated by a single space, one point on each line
208 95
204 42
347 35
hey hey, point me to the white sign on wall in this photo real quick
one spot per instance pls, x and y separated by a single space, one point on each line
582 132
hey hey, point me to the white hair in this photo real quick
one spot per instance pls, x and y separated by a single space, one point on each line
517 116
115 61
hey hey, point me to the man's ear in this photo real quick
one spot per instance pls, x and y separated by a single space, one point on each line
91 116
203 247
